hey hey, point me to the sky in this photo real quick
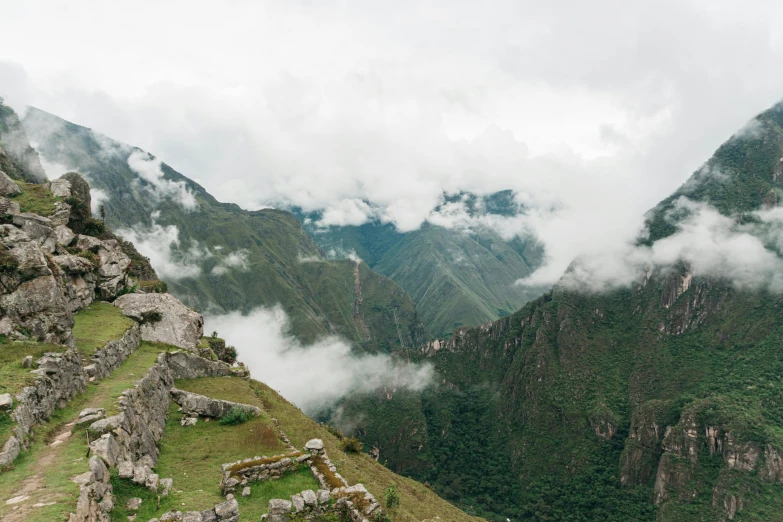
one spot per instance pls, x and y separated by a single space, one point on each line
591 112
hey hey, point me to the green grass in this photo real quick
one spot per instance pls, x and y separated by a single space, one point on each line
37 199
58 465
98 324
417 502
296 481
192 456
124 490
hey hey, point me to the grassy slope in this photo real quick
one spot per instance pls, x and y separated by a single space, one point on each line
97 324
417 501
317 296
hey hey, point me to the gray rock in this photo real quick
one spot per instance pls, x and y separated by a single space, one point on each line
60 187
278 506
6 401
208 515
38 229
323 496
71 264
309 497
133 503
229 508
193 403
7 185
91 412
27 362
10 451
314 445
106 448
64 235
106 425
152 481
192 516
298 503
9 206
98 469
188 421
246 491
165 486
125 469
178 325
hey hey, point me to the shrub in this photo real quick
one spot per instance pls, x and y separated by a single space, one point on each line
230 355
334 431
154 286
380 516
129 290
236 416
351 445
151 316
214 334
89 256
391 496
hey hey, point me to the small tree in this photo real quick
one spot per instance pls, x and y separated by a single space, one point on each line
102 211
391 496
214 334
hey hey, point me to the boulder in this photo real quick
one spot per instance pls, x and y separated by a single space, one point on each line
298 503
60 187
78 187
323 496
133 503
9 206
38 229
6 401
64 235
193 403
314 445
227 509
164 319
7 185
309 497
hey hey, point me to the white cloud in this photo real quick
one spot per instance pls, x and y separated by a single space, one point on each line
311 376
161 245
148 168
235 260
707 242
389 104
97 198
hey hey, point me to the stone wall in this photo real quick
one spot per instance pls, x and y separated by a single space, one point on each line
242 472
59 377
114 353
129 440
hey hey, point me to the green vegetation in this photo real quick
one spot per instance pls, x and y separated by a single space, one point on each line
351 445
37 199
13 377
390 497
50 468
455 278
261 493
98 324
236 416
151 503
192 455
318 296
417 502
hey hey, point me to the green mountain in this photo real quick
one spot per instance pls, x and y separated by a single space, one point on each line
223 258
662 401
17 158
456 278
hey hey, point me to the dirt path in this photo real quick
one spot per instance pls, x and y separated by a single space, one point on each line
32 488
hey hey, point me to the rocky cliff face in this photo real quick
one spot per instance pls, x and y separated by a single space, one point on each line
17 158
47 271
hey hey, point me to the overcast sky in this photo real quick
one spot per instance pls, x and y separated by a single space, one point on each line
591 111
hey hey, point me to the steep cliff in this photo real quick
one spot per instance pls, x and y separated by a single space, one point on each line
661 399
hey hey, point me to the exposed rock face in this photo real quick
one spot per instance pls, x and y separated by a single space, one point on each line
77 187
7 186
176 323
16 151
194 403
42 284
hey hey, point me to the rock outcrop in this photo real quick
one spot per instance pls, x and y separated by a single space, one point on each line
202 406
164 319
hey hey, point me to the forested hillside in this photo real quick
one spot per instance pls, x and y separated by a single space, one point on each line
224 258
660 400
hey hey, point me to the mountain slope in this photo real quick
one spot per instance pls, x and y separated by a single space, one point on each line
223 258
17 158
659 401
456 278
